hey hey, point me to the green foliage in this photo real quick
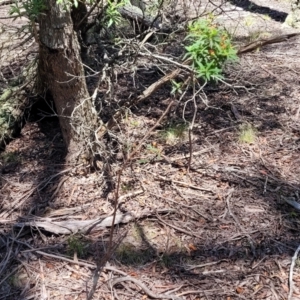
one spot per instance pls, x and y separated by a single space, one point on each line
29 8
176 87
126 187
209 47
112 14
166 261
247 134
174 133
10 157
67 4
153 149
76 245
128 254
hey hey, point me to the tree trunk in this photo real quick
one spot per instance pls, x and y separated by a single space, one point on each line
61 73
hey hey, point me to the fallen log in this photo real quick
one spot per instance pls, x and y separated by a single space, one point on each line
263 42
134 13
72 226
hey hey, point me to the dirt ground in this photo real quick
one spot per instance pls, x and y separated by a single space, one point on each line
220 227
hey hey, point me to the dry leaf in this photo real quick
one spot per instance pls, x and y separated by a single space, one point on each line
202 221
263 172
188 250
285 287
239 290
192 247
49 265
253 209
75 275
224 226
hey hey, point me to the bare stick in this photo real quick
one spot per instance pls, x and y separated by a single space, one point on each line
191 150
87 14
291 284
137 149
144 288
262 42
111 248
185 184
101 264
238 223
148 92
178 228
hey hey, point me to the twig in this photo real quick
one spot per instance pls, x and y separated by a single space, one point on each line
198 292
178 228
291 284
137 149
144 288
87 14
185 184
274 75
147 93
79 263
132 194
61 182
238 223
10 274
191 126
156 85
18 202
101 264
204 265
194 154
111 249
265 185
7 258
183 65
183 205
190 149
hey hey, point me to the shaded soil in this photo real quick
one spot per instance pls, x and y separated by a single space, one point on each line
227 231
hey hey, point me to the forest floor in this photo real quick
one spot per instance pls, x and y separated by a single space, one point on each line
216 227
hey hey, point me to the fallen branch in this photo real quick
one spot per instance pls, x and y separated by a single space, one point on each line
77 262
263 42
84 226
144 288
291 284
20 201
75 226
178 228
181 183
238 223
115 216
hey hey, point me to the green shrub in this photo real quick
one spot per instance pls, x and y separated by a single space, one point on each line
247 134
209 47
76 245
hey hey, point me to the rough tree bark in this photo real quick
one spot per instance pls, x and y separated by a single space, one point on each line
61 73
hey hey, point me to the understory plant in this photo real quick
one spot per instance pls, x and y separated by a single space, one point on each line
76 246
174 133
208 49
247 134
